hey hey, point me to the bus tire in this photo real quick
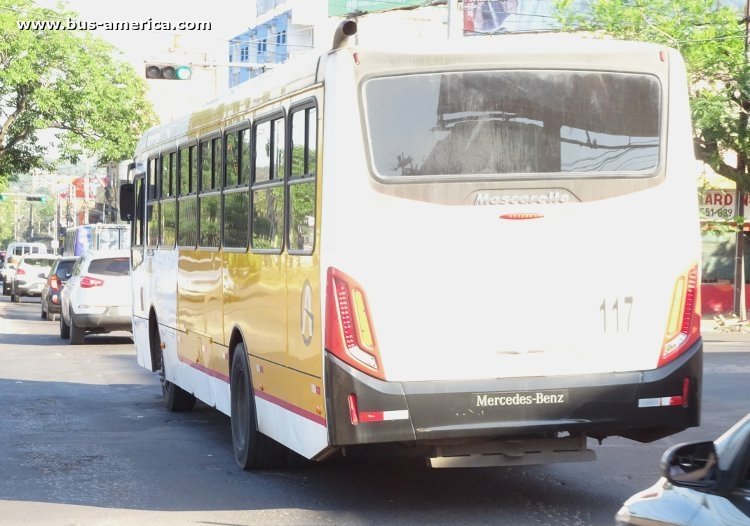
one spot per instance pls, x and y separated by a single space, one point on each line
252 449
77 334
64 328
176 399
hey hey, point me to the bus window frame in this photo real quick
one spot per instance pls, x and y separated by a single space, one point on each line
209 139
245 126
273 182
192 187
153 199
290 180
169 197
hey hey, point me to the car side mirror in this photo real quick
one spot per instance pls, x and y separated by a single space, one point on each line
694 465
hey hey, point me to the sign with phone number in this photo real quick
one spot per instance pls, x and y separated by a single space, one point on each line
721 205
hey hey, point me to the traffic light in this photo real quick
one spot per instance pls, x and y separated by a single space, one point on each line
37 198
168 72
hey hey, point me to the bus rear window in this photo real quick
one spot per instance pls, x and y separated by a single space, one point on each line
514 122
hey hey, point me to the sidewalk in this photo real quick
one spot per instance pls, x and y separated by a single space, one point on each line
713 332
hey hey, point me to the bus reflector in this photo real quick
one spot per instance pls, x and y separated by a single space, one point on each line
353 412
349 334
669 401
683 324
356 416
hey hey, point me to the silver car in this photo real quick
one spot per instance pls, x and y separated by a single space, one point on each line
31 275
97 296
702 484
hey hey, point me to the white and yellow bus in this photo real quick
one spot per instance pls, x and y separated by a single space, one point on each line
486 251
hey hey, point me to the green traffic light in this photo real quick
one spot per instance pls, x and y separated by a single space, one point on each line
183 72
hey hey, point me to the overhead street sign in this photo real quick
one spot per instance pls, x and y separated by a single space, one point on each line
347 7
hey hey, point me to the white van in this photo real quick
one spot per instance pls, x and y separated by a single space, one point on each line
13 255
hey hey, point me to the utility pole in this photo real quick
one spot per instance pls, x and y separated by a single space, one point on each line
739 246
455 19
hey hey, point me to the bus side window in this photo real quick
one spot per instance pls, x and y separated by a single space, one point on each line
152 205
139 223
304 130
267 225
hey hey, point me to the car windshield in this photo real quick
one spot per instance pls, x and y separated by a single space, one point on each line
38 262
110 266
65 265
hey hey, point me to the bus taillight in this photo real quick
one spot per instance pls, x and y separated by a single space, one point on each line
683 325
349 333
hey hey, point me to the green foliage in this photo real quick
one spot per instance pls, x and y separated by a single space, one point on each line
712 42
67 81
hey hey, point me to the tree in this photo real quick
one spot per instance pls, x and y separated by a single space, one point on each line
713 43
66 81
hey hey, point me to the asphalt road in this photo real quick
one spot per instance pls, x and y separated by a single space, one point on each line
84 440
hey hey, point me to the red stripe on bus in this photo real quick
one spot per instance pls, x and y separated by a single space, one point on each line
260 394
204 369
289 407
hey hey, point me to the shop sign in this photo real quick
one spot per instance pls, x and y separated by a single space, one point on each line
721 205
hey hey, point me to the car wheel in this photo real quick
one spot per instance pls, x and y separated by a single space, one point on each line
77 334
252 449
64 328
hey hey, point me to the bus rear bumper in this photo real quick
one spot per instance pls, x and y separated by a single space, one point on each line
640 405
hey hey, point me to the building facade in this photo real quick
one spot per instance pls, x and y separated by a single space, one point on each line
283 29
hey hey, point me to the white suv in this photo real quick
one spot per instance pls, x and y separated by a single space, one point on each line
31 275
97 296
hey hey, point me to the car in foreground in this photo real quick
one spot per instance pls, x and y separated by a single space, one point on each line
31 275
58 276
97 296
702 484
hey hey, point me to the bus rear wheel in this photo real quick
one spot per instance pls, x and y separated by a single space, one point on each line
252 449
176 399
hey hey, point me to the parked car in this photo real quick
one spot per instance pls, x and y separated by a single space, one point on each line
12 256
97 296
31 275
58 276
702 484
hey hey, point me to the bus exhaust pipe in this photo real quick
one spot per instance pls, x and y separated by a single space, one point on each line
346 29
